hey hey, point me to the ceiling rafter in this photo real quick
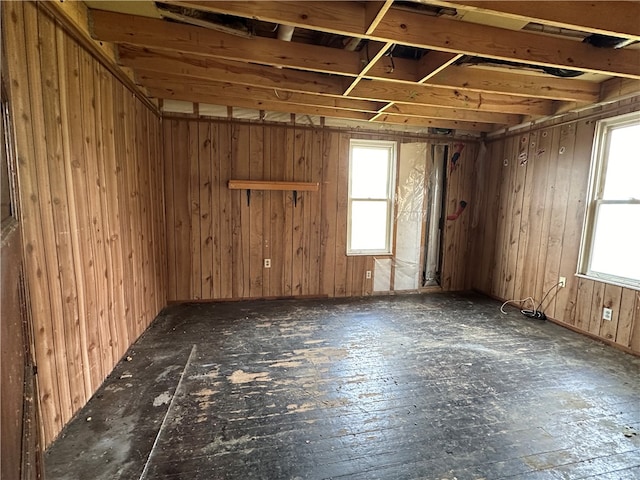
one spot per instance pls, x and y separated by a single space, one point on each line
442 97
614 18
120 28
437 33
207 68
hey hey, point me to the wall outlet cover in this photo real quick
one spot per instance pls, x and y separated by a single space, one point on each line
607 313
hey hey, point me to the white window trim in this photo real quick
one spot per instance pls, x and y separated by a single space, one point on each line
599 157
390 200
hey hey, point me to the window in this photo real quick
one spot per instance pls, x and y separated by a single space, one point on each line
371 187
611 238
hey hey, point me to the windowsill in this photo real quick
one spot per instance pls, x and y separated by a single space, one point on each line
608 281
369 254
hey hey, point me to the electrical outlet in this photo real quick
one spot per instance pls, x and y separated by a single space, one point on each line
368 273
607 313
563 282
267 263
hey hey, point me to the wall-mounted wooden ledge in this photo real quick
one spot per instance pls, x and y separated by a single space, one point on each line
296 187
269 185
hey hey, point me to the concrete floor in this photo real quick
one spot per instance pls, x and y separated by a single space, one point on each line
438 386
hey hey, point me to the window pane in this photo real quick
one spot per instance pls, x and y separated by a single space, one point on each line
616 247
623 164
368 225
369 172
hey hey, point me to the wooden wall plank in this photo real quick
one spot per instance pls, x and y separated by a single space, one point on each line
329 189
169 126
193 156
541 277
299 245
256 212
625 319
205 191
226 241
315 174
71 117
182 226
278 221
288 245
612 299
100 355
340 268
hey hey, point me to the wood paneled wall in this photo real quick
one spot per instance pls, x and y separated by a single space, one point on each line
216 241
531 219
90 178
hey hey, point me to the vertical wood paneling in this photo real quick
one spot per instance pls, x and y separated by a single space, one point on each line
341 259
329 189
193 156
205 191
256 212
87 214
306 243
553 193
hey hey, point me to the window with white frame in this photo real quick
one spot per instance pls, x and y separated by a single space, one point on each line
371 189
611 238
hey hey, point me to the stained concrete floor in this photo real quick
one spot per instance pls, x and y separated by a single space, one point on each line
438 386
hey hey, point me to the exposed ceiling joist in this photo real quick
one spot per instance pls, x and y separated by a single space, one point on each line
472 39
614 18
206 68
423 31
118 28
441 97
452 114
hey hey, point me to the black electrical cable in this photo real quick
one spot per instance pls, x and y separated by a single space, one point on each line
537 313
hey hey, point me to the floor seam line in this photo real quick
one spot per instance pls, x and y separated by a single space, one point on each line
166 415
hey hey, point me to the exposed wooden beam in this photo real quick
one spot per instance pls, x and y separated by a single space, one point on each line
481 80
176 83
332 17
437 33
615 18
442 97
435 123
115 27
451 114
204 68
472 39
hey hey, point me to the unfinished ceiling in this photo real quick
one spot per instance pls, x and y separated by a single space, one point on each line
472 66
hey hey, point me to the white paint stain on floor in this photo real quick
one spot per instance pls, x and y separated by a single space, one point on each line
162 399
